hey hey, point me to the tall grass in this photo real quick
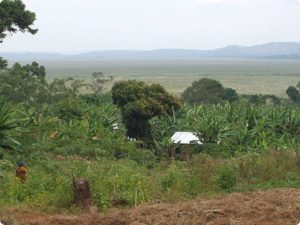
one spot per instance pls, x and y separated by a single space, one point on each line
127 183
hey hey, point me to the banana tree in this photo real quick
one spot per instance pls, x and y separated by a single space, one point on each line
8 126
102 118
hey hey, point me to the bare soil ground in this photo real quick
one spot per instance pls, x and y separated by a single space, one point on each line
273 207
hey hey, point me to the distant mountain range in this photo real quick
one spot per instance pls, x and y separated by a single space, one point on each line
276 50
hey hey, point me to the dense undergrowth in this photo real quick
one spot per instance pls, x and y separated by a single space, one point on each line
126 183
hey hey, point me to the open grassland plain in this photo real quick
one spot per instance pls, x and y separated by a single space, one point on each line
276 207
247 76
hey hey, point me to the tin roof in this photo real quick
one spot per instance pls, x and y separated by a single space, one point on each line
185 138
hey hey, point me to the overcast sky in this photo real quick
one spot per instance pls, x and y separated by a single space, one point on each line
90 25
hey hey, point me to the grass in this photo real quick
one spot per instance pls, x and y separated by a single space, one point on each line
246 76
49 183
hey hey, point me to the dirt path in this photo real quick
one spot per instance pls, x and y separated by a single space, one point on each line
273 207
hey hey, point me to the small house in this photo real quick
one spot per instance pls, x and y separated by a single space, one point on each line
186 138
184 142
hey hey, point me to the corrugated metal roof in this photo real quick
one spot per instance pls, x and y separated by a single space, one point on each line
185 138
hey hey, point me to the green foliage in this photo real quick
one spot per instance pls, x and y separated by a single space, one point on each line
140 102
226 178
69 109
262 99
28 84
3 64
208 91
35 70
293 94
93 99
230 95
174 177
14 17
60 89
125 182
165 147
236 127
163 127
8 125
70 127
24 83
103 116
49 184
203 91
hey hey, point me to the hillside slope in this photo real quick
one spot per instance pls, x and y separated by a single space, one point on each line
273 207
275 50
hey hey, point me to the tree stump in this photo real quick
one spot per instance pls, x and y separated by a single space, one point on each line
82 192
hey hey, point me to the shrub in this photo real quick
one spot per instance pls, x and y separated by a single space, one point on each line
226 178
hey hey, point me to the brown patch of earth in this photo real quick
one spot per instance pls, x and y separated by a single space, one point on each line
272 207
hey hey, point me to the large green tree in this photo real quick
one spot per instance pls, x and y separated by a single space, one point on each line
208 91
14 17
139 102
23 83
28 84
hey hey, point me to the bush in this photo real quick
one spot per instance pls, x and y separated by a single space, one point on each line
69 109
226 178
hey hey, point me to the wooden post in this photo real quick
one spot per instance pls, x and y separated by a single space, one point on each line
82 192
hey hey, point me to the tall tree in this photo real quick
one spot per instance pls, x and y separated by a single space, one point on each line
139 102
98 82
28 84
14 17
208 91
23 83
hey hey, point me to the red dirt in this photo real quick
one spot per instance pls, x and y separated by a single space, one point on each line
273 207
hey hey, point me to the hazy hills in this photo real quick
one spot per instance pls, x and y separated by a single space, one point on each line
276 50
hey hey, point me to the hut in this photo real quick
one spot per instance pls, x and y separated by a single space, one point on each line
184 142
186 138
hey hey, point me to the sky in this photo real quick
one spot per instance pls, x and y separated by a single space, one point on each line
73 26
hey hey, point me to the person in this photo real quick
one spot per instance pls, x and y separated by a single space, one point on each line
21 171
